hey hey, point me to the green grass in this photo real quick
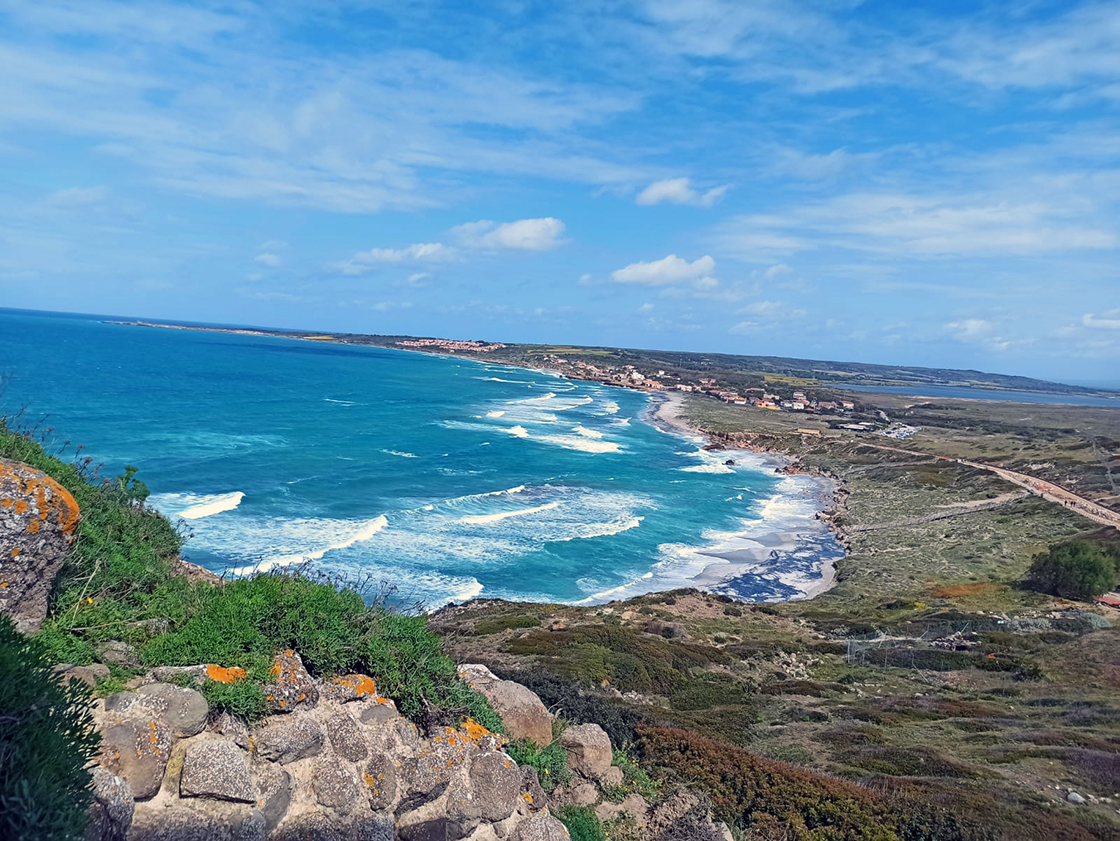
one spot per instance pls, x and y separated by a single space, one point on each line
550 761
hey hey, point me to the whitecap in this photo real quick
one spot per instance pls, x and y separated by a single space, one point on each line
399 454
495 414
196 506
585 432
340 402
540 399
352 532
505 515
706 468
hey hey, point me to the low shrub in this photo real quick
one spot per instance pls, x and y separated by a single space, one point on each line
243 698
550 761
46 738
505 623
582 823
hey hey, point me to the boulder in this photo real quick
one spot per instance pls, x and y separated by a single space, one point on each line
184 711
346 737
288 740
613 776
38 520
496 781
1075 798
217 769
541 827
335 784
584 794
589 750
294 689
381 780
110 814
374 828
89 675
669 630
178 824
137 749
523 713
387 730
119 653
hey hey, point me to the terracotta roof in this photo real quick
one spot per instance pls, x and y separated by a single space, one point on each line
1110 599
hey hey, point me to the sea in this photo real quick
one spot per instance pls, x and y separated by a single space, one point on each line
440 479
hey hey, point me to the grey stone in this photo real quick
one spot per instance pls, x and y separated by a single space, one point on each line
293 688
182 710
386 729
374 828
276 794
531 790
541 827
523 713
428 772
119 653
112 808
178 824
381 781
217 769
346 737
1074 797
137 749
119 702
314 826
496 781
335 784
288 740
38 520
89 675
154 627
589 749
613 776
433 830
251 827
234 728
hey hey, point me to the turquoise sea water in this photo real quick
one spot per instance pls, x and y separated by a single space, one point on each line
446 477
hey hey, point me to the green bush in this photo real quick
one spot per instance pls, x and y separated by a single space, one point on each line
582 823
244 698
1074 570
635 778
551 761
46 738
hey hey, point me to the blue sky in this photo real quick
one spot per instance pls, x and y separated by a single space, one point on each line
931 184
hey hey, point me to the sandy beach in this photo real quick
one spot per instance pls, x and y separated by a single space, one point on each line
757 550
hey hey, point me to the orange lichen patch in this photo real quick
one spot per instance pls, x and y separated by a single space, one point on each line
16 552
363 685
7 503
473 732
52 500
223 675
33 527
152 738
961 590
275 669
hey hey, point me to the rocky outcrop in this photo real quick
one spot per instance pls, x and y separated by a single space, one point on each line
523 713
38 520
325 768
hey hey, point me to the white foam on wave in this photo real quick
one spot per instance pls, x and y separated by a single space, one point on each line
500 380
518 431
586 433
195 506
540 399
621 421
610 407
399 454
350 533
706 468
495 414
481 519
340 402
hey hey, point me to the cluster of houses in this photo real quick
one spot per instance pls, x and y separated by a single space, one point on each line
452 345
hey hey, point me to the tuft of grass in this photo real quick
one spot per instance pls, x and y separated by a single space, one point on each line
551 761
582 823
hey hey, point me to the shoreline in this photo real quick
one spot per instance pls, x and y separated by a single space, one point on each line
665 412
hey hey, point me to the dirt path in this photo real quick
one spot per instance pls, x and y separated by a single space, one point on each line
1040 487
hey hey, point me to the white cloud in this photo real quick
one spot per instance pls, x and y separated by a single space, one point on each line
671 269
678 191
77 196
745 328
267 259
1105 321
772 310
522 235
364 261
645 308
970 328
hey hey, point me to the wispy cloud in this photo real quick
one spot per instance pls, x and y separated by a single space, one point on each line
522 235
1105 321
678 191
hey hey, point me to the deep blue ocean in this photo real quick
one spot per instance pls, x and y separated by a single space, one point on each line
445 477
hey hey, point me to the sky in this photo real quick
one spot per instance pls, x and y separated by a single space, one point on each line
910 183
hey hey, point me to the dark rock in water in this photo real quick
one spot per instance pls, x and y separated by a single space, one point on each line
38 520
730 462
713 446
